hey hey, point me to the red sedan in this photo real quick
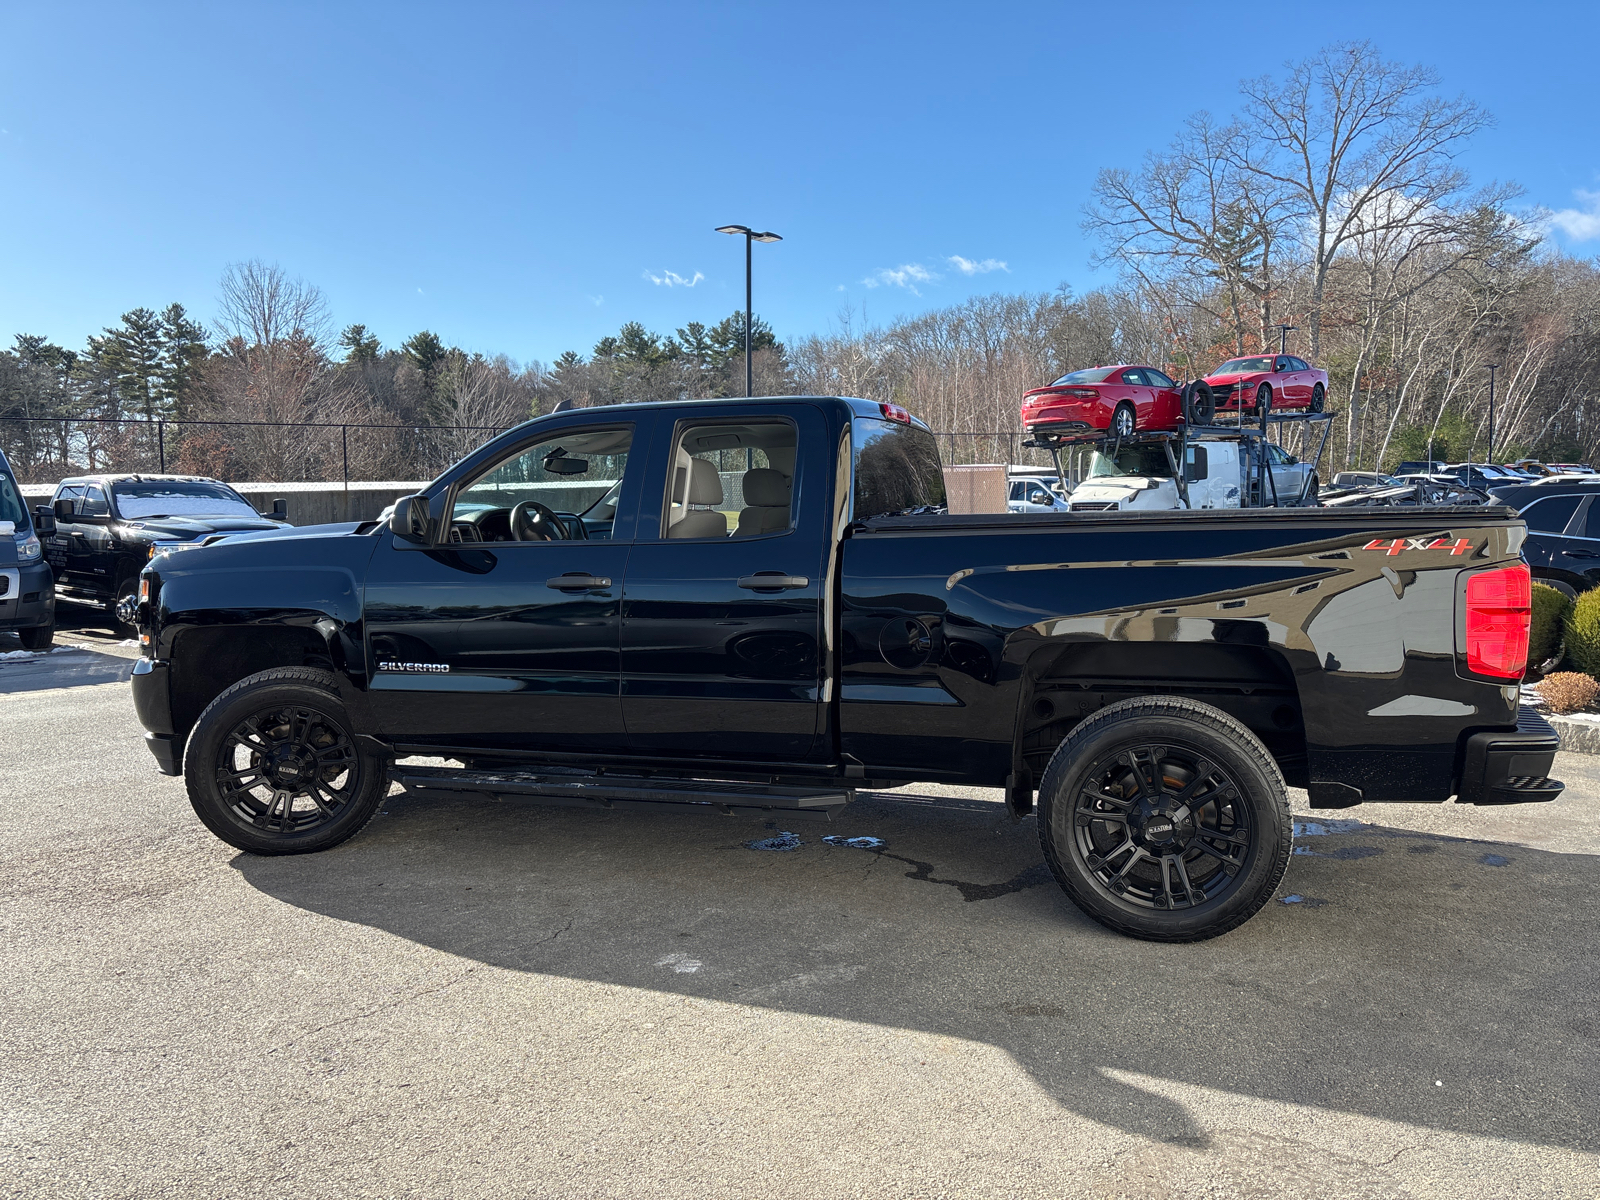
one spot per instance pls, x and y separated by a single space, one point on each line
1120 399
1263 382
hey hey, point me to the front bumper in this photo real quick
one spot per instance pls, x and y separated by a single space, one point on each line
152 704
1511 766
29 598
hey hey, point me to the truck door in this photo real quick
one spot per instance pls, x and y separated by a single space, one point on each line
502 634
90 552
723 607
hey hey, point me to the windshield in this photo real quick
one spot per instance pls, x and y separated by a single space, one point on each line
11 506
178 498
1089 375
1132 460
1243 366
897 469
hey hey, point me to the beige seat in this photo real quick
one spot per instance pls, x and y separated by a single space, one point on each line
705 489
766 498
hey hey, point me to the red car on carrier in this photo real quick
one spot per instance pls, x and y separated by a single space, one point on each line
1262 382
1121 399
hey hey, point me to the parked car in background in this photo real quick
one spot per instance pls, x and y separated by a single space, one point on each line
107 526
1571 468
27 585
1563 518
1262 382
1484 476
1420 467
1121 398
1032 493
1354 479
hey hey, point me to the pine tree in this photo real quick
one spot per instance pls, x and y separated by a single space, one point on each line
360 345
131 354
426 350
182 352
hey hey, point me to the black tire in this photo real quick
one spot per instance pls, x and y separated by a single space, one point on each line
1098 834
125 595
1199 403
39 637
1312 491
1318 398
1123 420
314 787
1263 401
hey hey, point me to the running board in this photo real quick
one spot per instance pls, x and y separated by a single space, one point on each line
573 790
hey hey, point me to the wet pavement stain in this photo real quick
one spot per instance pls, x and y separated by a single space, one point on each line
1302 901
1495 860
1034 876
779 841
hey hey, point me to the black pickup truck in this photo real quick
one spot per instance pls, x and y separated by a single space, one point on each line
757 606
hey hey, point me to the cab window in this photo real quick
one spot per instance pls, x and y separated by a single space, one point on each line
11 506
561 488
1157 379
93 503
897 468
731 479
1551 514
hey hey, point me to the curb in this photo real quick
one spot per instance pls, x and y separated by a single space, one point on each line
1577 737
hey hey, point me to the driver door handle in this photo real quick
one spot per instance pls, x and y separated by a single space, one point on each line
576 581
773 581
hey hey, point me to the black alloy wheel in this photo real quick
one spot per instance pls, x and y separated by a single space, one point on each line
1123 421
1165 819
273 767
1263 400
1318 398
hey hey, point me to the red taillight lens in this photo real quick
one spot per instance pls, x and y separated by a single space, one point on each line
893 412
1081 393
1499 613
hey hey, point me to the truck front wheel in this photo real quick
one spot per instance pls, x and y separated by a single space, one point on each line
273 766
1165 819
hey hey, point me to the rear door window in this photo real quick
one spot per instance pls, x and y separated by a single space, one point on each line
94 503
1551 514
897 469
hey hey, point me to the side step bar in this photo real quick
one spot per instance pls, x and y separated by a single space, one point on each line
572 789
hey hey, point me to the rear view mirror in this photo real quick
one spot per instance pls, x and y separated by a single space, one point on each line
63 508
558 464
44 520
409 520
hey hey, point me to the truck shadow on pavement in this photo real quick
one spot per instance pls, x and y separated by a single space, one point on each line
1434 981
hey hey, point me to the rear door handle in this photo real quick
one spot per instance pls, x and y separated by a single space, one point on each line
577 581
773 581
1580 554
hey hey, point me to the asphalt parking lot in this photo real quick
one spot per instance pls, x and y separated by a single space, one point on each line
477 998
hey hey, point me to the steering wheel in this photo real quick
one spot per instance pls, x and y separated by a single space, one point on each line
533 522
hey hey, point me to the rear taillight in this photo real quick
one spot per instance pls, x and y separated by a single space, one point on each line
893 412
1499 612
1081 393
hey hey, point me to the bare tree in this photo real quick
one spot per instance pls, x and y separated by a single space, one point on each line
1363 146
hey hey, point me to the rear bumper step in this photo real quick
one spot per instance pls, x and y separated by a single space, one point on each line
1513 766
573 789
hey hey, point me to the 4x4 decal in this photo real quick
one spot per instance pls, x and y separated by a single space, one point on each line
1399 545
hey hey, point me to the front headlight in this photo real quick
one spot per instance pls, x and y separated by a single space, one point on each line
29 549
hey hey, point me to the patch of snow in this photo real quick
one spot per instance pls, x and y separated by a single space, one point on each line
855 843
781 841
680 962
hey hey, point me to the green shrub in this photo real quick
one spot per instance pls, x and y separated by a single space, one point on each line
1550 610
1583 633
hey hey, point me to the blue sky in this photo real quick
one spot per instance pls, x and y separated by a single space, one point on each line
523 178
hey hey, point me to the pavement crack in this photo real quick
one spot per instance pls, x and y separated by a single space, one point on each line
377 1008
557 933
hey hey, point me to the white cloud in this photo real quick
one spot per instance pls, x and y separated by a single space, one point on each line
597 301
906 276
672 279
1580 224
969 266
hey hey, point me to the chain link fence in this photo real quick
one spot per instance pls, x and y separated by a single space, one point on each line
47 449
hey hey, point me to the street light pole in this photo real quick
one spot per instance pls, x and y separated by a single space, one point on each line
1283 337
750 235
1493 367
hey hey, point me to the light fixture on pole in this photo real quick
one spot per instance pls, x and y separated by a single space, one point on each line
750 235
1493 367
1283 337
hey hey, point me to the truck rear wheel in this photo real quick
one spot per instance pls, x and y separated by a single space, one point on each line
274 768
1165 819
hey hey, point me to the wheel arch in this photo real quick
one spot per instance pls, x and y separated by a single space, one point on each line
1063 684
206 660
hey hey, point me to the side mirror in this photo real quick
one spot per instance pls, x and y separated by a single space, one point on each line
280 509
44 520
409 521
63 508
1292 460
